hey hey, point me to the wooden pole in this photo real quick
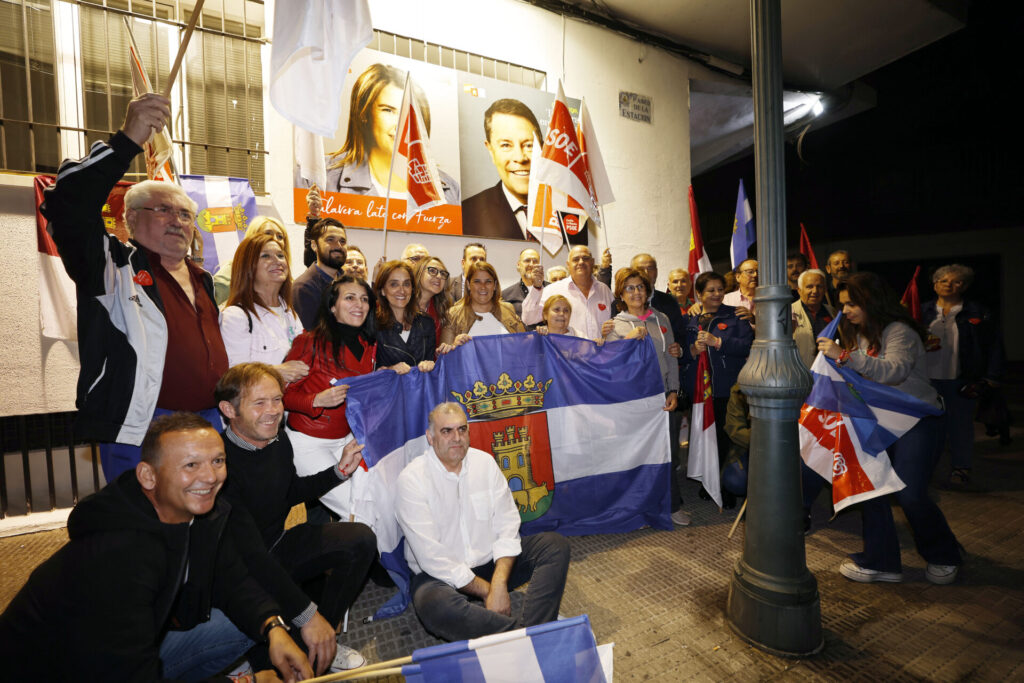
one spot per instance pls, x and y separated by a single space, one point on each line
738 518
388 668
196 12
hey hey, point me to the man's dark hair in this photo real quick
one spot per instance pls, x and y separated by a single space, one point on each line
512 108
320 227
473 244
233 383
166 424
800 256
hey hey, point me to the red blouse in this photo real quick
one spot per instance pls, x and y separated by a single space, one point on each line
325 423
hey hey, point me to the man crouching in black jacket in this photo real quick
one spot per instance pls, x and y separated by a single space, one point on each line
150 587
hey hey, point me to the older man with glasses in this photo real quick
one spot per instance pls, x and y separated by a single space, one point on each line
148 336
743 298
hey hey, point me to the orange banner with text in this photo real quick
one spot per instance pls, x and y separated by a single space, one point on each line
364 211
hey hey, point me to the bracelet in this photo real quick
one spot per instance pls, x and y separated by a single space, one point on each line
844 356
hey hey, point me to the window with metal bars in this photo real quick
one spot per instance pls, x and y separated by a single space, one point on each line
65 81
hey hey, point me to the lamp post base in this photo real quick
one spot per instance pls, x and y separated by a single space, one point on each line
781 618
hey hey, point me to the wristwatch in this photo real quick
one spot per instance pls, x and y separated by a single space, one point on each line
272 624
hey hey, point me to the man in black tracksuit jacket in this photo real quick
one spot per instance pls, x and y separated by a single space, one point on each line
148 564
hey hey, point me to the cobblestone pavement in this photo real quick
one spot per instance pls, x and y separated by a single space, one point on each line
660 596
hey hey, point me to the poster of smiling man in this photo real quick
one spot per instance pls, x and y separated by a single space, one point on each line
358 158
497 125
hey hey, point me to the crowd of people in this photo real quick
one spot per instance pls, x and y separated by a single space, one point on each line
172 552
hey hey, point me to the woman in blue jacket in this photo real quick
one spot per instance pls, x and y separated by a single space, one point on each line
727 340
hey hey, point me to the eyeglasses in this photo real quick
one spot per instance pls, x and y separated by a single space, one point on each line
634 288
748 271
434 271
167 212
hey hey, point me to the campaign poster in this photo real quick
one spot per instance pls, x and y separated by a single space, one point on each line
358 158
497 122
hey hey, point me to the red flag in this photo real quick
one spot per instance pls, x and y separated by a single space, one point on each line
423 184
805 247
699 261
702 463
912 298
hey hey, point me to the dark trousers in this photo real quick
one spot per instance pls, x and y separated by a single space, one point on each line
347 549
675 421
451 615
958 423
913 458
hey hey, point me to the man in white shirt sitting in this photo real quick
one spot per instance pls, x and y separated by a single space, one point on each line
462 539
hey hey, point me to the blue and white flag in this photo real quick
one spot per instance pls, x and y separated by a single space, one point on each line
226 207
554 652
846 424
743 232
578 430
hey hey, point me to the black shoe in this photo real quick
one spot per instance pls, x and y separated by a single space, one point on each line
704 495
728 500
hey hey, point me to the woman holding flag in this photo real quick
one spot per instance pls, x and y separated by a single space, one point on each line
881 341
720 333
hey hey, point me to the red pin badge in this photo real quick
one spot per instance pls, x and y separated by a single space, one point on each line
143 278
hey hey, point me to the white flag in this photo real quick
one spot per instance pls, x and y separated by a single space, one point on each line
313 45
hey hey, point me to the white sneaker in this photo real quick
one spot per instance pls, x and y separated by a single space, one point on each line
854 572
680 518
941 574
346 658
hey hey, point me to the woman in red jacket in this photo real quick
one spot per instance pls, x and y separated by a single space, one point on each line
342 344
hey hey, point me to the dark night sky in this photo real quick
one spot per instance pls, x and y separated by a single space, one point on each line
940 152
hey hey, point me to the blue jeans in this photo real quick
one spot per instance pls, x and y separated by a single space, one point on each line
958 424
203 651
116 458
451 615
913 458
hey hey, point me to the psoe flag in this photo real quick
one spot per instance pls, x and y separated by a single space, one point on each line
226 206
743 232
414 160
847 423
578 430
554 652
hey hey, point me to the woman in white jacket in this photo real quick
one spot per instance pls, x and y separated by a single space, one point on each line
258 322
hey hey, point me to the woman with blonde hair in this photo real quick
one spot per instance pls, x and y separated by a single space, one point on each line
362 164
259 225
431 278
481 311
258 322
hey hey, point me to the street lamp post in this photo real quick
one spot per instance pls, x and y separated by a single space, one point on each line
773 599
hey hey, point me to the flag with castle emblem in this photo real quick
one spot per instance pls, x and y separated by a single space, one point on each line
226 206
578 430
702 463
846 424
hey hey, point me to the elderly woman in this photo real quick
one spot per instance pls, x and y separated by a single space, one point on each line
259 225
638 321
964 354
481 311
342 344
720 333
258 323
405 337
880 341
557 312
363 163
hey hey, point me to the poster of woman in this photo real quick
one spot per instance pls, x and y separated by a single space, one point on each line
360 183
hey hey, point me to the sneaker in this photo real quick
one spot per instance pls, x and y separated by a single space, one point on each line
346 658
680 518
941 574
854 572
960 476
242 673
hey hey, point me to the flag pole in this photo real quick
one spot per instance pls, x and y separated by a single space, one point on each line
196 13
391 171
